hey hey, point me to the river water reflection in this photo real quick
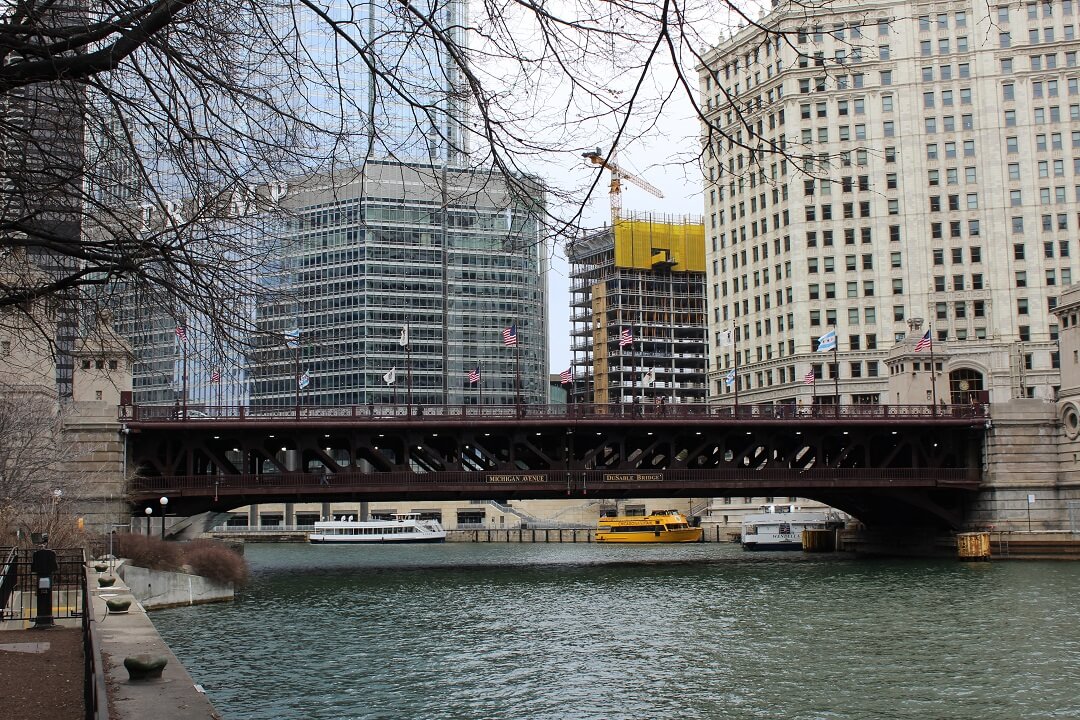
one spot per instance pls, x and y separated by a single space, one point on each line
673 632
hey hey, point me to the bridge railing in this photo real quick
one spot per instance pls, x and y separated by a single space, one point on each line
580 411
224 485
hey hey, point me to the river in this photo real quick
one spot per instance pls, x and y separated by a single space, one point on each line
540 631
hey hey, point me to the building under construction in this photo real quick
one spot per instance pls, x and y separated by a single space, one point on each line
637 295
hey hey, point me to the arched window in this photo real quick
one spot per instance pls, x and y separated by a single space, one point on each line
966 387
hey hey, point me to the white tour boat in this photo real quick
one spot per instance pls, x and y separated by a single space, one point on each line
780 527
400 528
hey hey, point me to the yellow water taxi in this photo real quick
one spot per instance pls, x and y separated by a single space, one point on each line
664 526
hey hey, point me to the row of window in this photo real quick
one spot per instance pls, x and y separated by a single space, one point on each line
1041 88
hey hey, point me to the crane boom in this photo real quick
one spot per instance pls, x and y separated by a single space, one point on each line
617 173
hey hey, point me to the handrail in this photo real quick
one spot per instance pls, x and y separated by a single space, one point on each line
95 694
8 579
196 485
382 413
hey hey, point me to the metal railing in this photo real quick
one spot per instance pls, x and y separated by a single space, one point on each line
578 411
779 477
70 597
255 529
95 697
68 585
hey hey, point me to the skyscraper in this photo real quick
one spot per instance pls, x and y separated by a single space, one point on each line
395 232
883 165
399 284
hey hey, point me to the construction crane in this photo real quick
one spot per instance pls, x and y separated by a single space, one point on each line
617 176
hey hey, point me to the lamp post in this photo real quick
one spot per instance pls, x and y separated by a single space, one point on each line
149 512
164 506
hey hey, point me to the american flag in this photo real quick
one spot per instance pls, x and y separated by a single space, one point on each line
215 376
810 378
924 342
474 375
510 336
567 376
626 337
181 332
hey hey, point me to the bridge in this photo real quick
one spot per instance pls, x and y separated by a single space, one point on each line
884 464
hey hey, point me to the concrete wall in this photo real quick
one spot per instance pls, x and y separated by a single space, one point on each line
159 589
1027 455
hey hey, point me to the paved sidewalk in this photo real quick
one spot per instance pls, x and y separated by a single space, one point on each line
173 697
41 673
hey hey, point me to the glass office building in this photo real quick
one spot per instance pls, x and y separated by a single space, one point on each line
452 255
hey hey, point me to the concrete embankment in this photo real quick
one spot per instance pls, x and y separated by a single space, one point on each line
172 697
156 589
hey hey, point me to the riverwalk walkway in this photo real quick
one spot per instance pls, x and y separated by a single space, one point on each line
42 669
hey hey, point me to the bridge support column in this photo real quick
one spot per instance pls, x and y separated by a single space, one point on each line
290 514
365 511
325 511
253 515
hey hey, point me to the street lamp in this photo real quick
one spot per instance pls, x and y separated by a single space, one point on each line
149 512
164 506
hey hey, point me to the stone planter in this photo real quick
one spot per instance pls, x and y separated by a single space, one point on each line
145 667
101 567
106 581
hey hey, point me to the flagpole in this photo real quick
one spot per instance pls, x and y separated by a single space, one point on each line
183 380
933 369
480 389
296 373
408 369
735 345
836 368
517 370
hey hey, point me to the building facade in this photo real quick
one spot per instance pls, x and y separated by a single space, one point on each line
445 259
637 298
888 166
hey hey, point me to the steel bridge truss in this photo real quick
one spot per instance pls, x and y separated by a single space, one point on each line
889 471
